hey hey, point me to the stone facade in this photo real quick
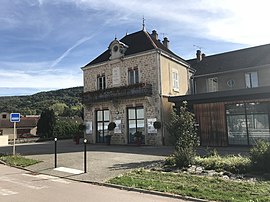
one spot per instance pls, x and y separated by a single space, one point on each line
154 69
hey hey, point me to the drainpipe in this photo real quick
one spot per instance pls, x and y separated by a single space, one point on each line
160 97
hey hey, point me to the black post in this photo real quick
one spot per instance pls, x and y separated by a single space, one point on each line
84 141
55 152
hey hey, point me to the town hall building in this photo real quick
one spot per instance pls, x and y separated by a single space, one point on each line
130 84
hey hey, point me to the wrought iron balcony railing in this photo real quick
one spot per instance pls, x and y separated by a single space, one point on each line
122 92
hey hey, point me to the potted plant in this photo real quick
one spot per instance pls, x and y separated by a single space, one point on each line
111 128
138 136
157 124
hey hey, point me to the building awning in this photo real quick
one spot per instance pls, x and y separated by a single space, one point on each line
224 96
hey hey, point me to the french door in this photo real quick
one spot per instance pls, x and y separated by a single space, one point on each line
103 119
135 123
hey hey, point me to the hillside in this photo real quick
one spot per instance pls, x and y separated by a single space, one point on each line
63 101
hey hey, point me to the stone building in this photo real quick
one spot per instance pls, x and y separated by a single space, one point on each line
130 84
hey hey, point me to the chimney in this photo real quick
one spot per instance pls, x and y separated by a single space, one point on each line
199 55
166 42
155 34
203 56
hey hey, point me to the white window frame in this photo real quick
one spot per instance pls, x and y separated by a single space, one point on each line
212 84
251 79
175 80
101 79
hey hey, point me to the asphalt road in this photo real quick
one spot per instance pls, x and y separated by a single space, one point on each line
17 185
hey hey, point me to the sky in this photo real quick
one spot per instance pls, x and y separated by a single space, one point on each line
44 43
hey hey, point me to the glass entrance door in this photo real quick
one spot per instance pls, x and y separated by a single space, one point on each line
135 124
103 118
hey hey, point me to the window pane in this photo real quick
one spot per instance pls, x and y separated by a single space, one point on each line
140 124
255 107
106 115
247 78
254 79
99 116
136 72
130 77
100 127
131 113
237 132
103 82
258 127
140 113
238 108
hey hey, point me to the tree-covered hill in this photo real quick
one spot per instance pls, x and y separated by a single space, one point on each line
66 102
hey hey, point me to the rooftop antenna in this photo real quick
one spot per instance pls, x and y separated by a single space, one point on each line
143 24
163 34
198 47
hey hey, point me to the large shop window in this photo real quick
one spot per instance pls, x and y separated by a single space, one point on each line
135 123
248 122
103 119
133 76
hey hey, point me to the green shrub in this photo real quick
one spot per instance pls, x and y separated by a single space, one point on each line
170 161
184 157
260 156
233 163
181 127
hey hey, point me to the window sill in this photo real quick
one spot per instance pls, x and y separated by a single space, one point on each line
176 90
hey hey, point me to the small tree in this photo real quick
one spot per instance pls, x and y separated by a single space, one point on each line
181 127
46 123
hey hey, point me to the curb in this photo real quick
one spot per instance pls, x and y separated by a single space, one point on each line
157 193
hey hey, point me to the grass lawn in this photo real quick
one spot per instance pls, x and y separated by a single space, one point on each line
17 160
210 188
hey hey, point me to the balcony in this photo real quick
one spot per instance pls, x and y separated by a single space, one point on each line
122 92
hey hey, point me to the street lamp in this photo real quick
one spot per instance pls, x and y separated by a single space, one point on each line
85 141
55 152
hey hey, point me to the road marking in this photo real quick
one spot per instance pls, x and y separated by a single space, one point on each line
6 192
22 183
69 170
48 177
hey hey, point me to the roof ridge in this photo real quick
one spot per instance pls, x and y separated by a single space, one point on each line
233 51
148 35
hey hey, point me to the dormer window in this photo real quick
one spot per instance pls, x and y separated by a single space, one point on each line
117 49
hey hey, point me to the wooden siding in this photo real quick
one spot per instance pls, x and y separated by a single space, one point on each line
212 123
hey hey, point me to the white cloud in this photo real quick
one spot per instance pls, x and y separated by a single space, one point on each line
238 21
47 78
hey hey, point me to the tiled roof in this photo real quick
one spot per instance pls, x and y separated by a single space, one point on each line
234 60
224 96
25 122
137 42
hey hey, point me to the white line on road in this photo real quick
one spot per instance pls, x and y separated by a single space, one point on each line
6 192
48 177
69 170
22 183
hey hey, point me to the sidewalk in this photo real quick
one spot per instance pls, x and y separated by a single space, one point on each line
103 162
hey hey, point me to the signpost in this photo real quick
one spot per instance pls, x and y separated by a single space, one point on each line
14 118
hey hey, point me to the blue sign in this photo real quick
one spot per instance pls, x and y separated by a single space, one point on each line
15 117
